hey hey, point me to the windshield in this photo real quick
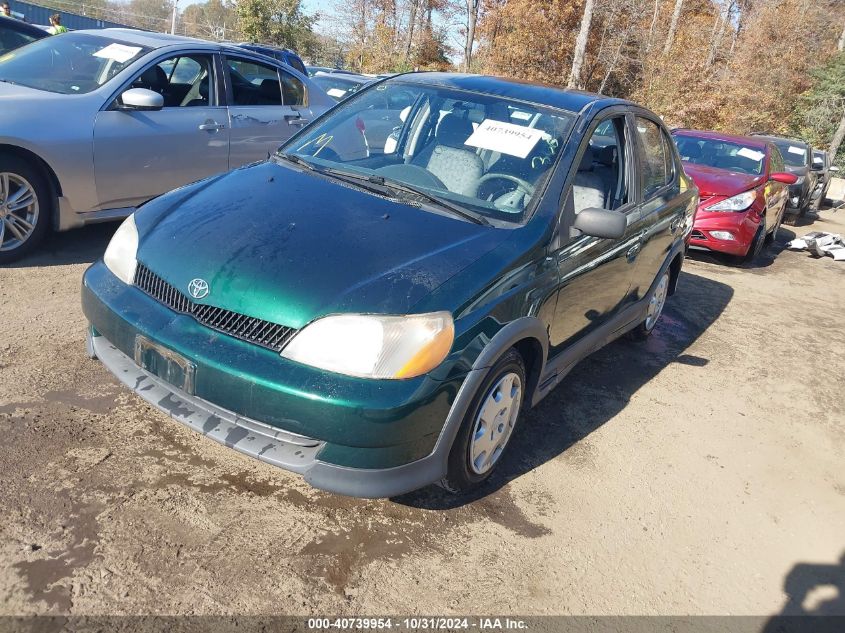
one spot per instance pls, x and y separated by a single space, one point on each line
485 154
74 63
794 154
336 87
736 157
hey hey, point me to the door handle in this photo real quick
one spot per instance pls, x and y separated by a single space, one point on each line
212 126
675 224
295 119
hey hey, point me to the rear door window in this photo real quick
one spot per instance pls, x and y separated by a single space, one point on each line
253 83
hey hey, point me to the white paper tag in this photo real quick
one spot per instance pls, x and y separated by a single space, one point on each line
507 138
796 150
753 154
335 92
118 52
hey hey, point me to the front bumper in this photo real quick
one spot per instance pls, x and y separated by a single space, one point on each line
352 436
740 224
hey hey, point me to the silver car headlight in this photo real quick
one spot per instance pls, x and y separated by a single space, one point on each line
800 180
375 346
122 250
739 202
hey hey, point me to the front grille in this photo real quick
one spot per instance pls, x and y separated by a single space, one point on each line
246 328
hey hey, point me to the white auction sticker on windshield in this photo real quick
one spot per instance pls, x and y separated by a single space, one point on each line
335 92
118 52
796 150
507 138
753 154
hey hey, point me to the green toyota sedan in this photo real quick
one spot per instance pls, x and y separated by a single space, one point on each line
377 319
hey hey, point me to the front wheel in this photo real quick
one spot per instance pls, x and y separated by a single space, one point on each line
770 237
756 245
488 425
656 302
24 208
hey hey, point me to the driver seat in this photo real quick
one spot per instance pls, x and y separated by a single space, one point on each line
447 158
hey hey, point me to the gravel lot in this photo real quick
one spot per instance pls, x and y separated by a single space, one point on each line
698 473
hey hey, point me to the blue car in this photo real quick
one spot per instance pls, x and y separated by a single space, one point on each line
284 55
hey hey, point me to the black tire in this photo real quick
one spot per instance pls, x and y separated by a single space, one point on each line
770 237
37 179
460 475
644 329
756 245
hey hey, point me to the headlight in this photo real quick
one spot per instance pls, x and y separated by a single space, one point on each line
121 251
800 180
373 346
739 202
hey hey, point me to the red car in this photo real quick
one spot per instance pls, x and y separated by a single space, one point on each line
744 188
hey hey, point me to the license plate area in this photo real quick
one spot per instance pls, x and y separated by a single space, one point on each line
166 364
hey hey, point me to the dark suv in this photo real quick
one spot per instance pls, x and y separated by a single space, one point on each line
382 318
284 55
798 157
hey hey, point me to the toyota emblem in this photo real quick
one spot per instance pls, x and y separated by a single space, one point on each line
198 288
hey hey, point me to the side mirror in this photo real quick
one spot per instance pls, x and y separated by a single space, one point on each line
833 168
601 223
784 177
141 99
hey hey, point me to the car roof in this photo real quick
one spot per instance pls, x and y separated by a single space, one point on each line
753 141
541 94
21 27
774 139
357 79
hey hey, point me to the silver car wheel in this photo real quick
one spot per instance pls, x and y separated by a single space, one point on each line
657 301
495 422
18 210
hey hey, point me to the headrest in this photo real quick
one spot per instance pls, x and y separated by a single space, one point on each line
154 76
606 155
453 130
270 88
692 150
586 163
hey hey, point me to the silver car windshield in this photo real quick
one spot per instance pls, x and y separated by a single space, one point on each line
73 63
485 154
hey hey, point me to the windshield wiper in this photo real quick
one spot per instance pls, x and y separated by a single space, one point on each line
398 185
293 158
380 185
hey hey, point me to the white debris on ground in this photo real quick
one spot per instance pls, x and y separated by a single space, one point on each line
820 244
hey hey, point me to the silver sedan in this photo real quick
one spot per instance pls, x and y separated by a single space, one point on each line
95 123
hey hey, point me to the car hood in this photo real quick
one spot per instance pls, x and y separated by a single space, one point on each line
712 181
288 247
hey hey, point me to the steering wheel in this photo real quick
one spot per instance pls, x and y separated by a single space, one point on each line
521 185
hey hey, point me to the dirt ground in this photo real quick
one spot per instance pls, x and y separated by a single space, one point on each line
701 472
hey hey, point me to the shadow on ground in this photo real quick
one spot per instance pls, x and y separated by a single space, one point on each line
79 246
815 592
597 390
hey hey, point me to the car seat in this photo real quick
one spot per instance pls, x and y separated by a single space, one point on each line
448 159
588 187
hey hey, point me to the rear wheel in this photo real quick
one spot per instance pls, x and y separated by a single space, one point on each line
488 425
656 302
25 207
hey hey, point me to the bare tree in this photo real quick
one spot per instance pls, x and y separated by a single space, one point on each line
581 46
838 137
673 26
840 45
472 18
722 18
